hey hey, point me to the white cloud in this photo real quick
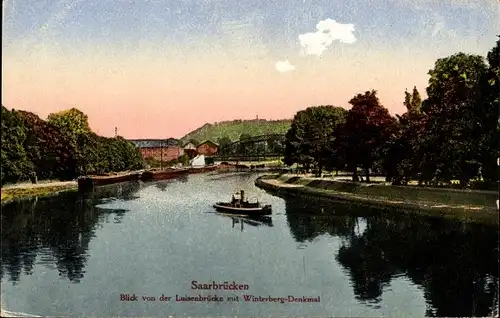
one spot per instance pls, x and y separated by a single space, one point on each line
327 31
284 66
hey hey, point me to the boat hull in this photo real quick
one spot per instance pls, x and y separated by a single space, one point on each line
89 182
194 170
265 210
163 174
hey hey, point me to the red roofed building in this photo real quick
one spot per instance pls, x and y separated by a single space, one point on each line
153 148
207 148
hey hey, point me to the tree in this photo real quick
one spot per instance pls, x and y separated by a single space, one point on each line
46 147
74 125
224 144
15 164
400 158
456 118
367 131
244 148
311 135
416 102
62 147
275 145
72 122
489 141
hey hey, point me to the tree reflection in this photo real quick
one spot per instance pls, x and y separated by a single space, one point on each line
455 263
57 229
162 186
308 220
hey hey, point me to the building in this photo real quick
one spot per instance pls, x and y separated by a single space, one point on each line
190 150
207 148
159 149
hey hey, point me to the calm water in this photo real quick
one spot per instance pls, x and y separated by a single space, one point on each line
75 256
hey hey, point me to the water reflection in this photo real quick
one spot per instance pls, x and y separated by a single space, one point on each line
58 230
215 176
251 221
455 264
162 186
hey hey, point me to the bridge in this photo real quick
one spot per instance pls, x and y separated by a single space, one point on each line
256 148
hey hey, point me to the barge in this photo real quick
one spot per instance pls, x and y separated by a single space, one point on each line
89 182
163 174
203 169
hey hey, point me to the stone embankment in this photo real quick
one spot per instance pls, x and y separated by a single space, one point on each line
473 206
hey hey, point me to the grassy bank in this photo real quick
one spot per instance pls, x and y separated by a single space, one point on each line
472 206
21 191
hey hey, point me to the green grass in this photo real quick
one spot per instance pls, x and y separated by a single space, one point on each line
18 193
408 193
470 206
233 129
399 193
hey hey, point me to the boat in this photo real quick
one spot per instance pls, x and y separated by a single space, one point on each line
163 174
202 169
86 183
242 206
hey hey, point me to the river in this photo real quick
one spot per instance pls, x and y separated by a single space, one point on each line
76 255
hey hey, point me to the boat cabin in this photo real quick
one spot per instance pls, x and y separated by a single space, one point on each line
241 201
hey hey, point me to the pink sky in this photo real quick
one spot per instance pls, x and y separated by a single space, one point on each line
169 87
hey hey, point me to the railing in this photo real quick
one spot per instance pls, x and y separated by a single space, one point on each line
246 157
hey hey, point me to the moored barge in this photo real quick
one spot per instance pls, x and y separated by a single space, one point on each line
88 182
203 169
163 174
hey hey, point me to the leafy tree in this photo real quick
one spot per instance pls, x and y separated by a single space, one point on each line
46 147
402 153
489 139
224 144
367 132
275 145
456 117
311 136
15 164
72 122
62 147
291 148
244 148
74 125
415 103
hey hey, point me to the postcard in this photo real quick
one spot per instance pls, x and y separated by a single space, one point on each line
202 158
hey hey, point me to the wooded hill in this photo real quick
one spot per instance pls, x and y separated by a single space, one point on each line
235 128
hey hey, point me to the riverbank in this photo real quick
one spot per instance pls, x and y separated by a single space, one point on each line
6 313
44 188
470 206
40 189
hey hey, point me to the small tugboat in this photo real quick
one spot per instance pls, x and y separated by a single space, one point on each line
242 206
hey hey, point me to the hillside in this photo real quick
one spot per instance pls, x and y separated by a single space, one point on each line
234 128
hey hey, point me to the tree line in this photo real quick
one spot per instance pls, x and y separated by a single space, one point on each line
450 135
62 147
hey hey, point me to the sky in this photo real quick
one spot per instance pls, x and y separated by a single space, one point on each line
162 68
